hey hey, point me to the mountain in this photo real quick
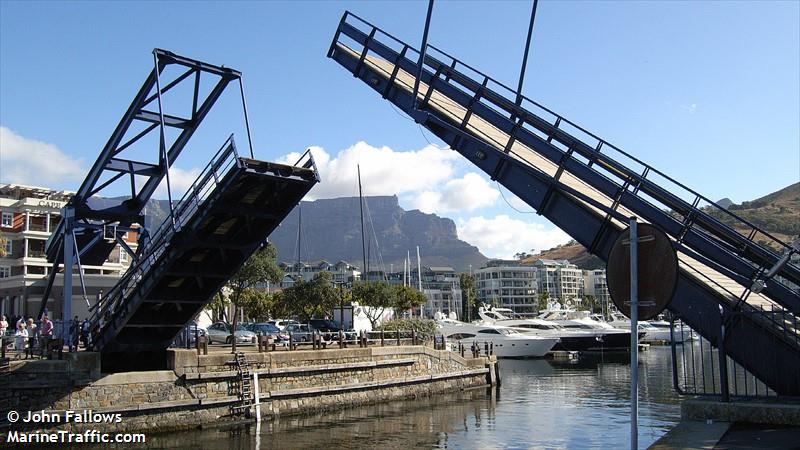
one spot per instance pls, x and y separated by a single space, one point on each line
725 203
571 251
331 230
777 213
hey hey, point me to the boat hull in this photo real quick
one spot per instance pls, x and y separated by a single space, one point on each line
608 342
513 348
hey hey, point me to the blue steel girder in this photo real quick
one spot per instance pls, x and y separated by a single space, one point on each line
110 165
696 303
756 345
729 254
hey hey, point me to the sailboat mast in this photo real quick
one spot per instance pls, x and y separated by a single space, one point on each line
299 233
363 238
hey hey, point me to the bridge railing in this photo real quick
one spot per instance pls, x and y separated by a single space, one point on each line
108 306
700 369
693 212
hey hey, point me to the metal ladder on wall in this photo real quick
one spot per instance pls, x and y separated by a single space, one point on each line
245 384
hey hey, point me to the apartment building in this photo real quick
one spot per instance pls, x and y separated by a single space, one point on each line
560 279
509 285
28 215
594 284
442 287
343 273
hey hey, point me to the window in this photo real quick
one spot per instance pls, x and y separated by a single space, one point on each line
9 248
123 255
7 220
5 271
489 331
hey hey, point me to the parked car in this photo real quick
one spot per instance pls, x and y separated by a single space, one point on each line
282 323
267 329
330 329
193 331
302 332
221 332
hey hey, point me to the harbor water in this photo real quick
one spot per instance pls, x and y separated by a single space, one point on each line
540 404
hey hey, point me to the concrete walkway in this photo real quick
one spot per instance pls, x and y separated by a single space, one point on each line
691 434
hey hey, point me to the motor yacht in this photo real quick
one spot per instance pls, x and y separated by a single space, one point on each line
505 341
654 330
572 337
606 336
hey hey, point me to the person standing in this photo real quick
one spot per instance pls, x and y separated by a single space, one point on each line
46 333
33 335
3 329
21 339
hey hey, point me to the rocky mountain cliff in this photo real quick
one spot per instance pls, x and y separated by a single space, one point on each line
331 231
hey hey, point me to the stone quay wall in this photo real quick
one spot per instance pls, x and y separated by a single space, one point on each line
206 389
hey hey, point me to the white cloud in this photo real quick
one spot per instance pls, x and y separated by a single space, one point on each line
383 171
32 162
179 181
502 236
691 108
461 194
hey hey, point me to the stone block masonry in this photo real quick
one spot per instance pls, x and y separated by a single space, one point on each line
205 389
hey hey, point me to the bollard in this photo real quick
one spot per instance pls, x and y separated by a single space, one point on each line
341 339
201 344
398 337
382 338
413 337
291 341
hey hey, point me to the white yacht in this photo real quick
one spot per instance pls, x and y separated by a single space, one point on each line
654 330
607 337
507 342
572 337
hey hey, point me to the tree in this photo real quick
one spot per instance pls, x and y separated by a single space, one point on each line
406 297
470 299
307 299
377 295
542 300
257 304
3 242
260 268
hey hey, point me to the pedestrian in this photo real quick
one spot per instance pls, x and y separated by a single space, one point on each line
3 326
85 333
46 333
21 339
33 335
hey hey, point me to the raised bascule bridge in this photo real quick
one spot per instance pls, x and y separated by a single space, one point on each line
737 285
225 216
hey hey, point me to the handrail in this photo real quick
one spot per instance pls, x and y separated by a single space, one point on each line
222 160
595 155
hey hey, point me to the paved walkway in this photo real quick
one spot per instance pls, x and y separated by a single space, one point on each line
726 436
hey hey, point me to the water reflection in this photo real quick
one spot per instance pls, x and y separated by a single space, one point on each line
540 404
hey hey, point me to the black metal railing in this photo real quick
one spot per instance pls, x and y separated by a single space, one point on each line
225 158
701 368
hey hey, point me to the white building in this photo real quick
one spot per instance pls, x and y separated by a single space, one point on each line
508 284
559 279
442 287
27 216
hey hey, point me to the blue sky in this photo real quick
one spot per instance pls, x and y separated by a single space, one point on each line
708 92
